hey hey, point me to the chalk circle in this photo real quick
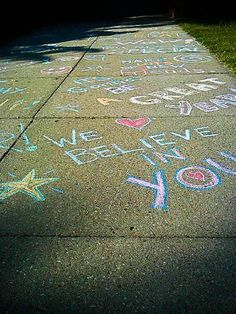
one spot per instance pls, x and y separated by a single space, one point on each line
211 179
193 58
59 70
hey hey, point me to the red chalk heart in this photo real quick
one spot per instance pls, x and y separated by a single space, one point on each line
136 123
198 175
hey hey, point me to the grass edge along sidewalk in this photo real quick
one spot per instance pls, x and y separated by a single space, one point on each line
219 38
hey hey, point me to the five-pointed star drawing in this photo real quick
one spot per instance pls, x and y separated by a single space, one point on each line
28 185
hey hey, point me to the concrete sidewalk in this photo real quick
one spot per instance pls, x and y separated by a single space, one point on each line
117 172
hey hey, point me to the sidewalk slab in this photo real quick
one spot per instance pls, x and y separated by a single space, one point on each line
90 168
22 97
153 96
117 275
143 65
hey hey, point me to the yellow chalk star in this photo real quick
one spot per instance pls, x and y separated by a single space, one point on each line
28 185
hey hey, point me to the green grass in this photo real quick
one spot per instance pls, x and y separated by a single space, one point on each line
219 38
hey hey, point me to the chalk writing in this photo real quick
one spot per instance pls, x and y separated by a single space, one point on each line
158 69
150 48
68 58
184 107
87 155
97 57
3 103
221 167
11 90
165 157
203 85
6 137
159 186
37 49
59 70
164 34
30 147
195 178
68 107
107 101
25 104
193 58
115 86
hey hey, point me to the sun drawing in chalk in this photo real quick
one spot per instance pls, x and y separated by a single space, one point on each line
29 185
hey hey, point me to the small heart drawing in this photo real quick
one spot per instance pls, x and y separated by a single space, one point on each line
198 175
136 123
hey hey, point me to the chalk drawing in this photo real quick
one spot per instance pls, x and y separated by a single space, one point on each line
97 69
11 90
197 178
84 136
68 58
229 97
223 103
68 107
11 174
137 42
206 107
220 166
49 171
165 157
193 58
184 107
6 137
11 65
166 68
107 101
139 123
58 190
29 185
25 104
116 86
158 96
42 48
164 34
159 186
59 70
120 89
3 103
30 148
97 57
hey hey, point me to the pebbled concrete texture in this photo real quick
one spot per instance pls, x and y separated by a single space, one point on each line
117 275
116 188
23 97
